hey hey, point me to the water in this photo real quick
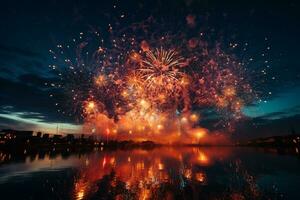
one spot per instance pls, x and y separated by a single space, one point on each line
159 173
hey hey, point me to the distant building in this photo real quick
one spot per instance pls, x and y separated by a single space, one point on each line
45 136
57 136
70 137
39 134
17 134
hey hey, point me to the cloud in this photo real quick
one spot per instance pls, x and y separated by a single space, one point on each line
6 123
15 121
24 97
274 115
15 62
30 99
287 101
265 126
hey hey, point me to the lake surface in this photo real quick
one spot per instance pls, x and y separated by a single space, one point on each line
159 173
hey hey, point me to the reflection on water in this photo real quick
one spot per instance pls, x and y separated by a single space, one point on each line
160 173
141 174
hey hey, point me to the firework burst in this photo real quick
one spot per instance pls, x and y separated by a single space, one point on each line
138 87
161 73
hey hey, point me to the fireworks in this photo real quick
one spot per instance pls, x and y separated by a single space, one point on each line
162 78
141 89
160 71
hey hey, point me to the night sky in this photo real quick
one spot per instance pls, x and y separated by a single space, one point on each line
30 28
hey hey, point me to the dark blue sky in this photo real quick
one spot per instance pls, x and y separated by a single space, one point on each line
30 28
